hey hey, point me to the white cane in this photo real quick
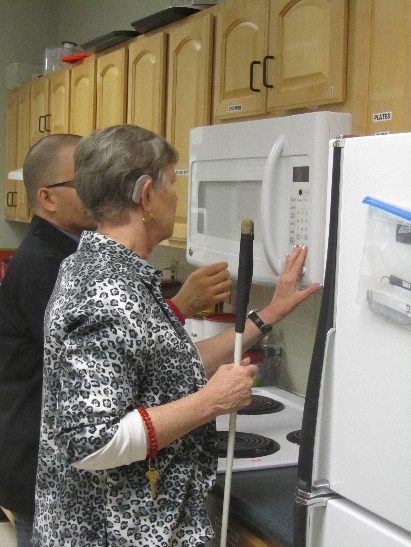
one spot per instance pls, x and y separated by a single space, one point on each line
245 274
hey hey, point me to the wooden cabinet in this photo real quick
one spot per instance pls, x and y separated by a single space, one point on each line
188 100
83 97
49 105
279 54
308 46
39 109
59 102
10 192
272 57
23 145
147 82
389 85
111 88
35 110
240 47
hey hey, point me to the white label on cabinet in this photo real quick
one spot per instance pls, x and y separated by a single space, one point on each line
181 171
382 133
382 117
235 107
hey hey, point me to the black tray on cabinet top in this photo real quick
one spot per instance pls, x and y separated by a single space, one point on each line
108 40
161 18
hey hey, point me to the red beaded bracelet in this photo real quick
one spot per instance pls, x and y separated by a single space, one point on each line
152 437
176 311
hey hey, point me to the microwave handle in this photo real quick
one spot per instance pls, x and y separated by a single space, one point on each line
267 191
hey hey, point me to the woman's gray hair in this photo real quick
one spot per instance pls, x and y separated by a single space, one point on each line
109 162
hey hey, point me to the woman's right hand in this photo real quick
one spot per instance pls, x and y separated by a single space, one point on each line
229 389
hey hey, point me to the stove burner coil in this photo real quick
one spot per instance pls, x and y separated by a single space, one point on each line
247 445
294 437
262 405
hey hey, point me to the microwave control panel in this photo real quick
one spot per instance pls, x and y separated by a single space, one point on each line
299 219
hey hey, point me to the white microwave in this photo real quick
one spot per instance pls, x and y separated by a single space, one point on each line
274 171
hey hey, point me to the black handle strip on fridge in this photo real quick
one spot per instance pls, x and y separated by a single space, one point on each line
325 323
252 64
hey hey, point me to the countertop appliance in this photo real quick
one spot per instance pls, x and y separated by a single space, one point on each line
267 433
273 171
354 473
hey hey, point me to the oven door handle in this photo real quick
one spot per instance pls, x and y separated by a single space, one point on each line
270 244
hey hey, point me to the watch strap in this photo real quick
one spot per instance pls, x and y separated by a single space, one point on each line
259 323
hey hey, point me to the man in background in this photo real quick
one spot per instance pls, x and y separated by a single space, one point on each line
58 221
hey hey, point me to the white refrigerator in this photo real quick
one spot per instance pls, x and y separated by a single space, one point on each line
354 474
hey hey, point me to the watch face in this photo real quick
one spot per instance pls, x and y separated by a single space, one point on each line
265 329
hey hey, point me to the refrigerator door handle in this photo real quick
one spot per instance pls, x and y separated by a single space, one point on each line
319 495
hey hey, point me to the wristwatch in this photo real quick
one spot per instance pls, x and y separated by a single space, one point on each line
258 322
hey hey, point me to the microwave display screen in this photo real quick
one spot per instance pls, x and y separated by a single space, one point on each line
301 173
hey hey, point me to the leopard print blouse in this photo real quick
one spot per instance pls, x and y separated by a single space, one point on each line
111 344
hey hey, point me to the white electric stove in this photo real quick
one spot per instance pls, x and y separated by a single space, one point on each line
269 436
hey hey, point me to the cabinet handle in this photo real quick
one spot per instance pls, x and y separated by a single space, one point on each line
40 129
252 75
9 203
47 125
266 59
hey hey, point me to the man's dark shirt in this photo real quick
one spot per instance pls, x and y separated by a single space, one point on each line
24 294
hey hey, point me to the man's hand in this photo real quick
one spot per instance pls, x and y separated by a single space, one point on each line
203 288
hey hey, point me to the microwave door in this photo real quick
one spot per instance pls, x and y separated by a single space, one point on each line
272 241
222 194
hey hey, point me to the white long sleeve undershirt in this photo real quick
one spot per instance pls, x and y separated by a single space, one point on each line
128 445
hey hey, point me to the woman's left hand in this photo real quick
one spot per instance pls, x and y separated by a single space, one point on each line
287 295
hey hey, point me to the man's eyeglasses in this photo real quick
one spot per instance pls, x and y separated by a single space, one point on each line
67 183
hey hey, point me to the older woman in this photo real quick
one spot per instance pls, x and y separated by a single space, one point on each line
128 447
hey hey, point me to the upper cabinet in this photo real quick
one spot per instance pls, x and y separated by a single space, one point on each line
83 97
390 67
59 102
49 105
240 48
10 186
279 54
188 99
266 58
22 147
306 64
39 109
147 82
111 85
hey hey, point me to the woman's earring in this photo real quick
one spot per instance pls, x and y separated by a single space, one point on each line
148 217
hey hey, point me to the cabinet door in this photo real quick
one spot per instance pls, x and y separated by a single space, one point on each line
111 88
59 102
307 44
11 154
240 49
39 108
23 145
83 97
147 82
189 99
390 67
10 199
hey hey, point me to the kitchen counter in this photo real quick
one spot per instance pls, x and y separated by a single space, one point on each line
264 499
